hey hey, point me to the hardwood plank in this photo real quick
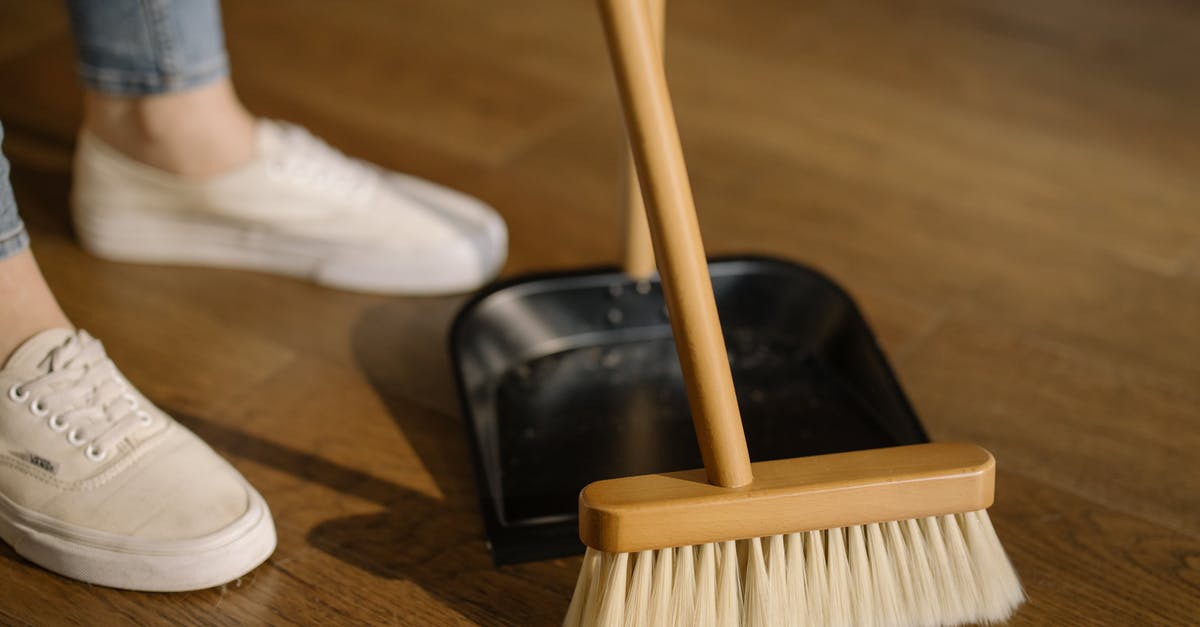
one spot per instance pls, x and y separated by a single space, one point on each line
489 107
899 324
917 147
41 96
28 24
1132 436
1082 563
935 254
927 104
1191 266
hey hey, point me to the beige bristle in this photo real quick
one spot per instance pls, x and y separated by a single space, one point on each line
706 587
660 595
960 563
612 602
948 570
729 587
950 606
898 552
777 594
1002 591
926 603
637 609
839 609
885 580
795 580
683 594
756 607
817 578
863 601
584 590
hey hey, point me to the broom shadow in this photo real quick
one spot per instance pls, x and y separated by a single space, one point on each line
401 347
433 543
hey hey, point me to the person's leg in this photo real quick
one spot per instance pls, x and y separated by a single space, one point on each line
88 457
26 304
156 83
218 135
98 484
171 169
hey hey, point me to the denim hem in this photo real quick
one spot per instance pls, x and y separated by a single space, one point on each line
13 242
135 83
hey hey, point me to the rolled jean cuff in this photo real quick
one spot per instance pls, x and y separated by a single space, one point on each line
132 83
13 238
146 47
13 241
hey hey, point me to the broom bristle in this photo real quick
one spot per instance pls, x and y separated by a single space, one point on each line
942 570
756 605
706 587
660 595
795 587
637 600
838 610
683 593
816 577
614 584
729 586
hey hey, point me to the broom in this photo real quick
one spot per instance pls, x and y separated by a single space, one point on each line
895 536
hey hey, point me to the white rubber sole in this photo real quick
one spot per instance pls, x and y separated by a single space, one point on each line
172 238
141 564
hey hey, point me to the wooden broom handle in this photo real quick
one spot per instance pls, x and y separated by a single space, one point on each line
678 249
639 252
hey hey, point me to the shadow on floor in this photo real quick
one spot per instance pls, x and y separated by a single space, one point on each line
437 544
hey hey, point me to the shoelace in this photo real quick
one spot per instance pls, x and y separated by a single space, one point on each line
84 396
310 160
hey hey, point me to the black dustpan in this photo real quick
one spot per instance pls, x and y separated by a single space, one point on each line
570 378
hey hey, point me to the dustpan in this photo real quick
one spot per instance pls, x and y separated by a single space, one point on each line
571 377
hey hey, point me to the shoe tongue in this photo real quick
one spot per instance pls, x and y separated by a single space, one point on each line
30 358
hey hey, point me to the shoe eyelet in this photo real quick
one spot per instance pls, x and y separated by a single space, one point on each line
133 401
145 418
38 409
17 395
57 423
73 437
94 453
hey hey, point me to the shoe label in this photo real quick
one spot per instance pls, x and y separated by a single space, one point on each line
36 460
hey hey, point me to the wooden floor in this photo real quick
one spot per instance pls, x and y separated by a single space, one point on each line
1010 190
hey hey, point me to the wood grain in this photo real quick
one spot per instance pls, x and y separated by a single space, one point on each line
639 250
647 512
1008 189
678 249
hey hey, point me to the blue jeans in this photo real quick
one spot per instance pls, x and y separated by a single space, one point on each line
133 48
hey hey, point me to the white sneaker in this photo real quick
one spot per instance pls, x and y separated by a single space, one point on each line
99 485
300 208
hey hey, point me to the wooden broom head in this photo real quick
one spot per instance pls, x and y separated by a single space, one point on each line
789 495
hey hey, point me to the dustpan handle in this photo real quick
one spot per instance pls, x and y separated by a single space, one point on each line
639 252
678 249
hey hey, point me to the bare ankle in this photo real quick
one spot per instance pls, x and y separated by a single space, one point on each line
197 133
27 307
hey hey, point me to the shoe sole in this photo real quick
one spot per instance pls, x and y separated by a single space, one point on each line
145 565
146 237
